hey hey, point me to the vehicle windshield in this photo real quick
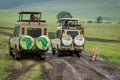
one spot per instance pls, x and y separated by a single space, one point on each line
34 32
72 33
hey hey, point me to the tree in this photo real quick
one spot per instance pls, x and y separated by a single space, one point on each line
64 14
99 18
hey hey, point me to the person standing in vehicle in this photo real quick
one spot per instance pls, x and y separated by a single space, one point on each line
32 17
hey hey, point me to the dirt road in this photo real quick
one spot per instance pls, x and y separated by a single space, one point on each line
68 68
72 68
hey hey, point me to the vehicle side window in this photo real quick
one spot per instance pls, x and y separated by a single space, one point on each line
17 31
58 33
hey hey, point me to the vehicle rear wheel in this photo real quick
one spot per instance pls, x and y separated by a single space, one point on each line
53 52
17 55
58 53
78 54
53 49
43 56
10 51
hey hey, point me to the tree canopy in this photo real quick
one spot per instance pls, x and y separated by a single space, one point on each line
99 18
64 14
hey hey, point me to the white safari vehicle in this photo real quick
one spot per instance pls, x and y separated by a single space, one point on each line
30 36
69 38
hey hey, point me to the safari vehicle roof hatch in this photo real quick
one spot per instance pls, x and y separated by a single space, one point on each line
25 16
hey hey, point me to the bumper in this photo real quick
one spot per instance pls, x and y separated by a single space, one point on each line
72 49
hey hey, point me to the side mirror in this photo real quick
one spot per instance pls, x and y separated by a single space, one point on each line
11 35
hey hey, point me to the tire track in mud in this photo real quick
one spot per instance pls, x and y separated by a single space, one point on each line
95 70
86 72
74 71
60 70
82 69
70 68
16 73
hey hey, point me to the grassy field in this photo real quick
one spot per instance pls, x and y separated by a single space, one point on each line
109 50
5 59
104 31
7 30
8 18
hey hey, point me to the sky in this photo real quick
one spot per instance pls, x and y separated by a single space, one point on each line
6 4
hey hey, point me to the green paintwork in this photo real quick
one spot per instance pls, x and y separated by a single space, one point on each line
43 41
28 42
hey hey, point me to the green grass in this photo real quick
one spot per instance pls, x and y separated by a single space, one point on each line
5 59
8 18
103 31
7 30
110 50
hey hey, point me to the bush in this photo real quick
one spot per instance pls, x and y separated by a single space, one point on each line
90 21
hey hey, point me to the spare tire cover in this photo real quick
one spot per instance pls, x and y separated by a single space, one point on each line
42 42
67 40
79 40
26 42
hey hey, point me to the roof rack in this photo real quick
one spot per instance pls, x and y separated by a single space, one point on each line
69 19
29 12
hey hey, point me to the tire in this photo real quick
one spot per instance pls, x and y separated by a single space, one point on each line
58 53
10 51
26 42
53 52
78 54
17 55
43 56
42 42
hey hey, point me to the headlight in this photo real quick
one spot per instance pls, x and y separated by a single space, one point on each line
79 40
66 40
